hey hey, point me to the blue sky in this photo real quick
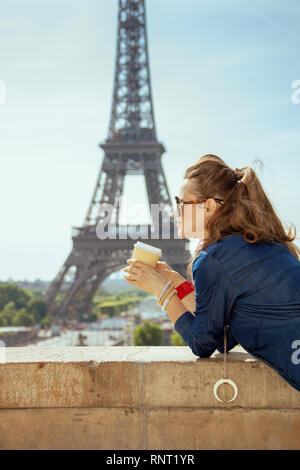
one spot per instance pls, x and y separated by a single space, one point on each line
221 72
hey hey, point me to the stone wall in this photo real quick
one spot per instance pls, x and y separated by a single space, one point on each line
157 398
18 338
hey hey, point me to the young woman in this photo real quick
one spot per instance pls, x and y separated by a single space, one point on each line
246 272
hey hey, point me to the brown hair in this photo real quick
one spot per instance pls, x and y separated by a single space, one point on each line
246 211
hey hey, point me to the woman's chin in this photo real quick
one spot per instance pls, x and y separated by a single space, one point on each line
179 231
189 233
181 234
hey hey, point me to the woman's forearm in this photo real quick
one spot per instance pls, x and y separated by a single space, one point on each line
189 302
175 308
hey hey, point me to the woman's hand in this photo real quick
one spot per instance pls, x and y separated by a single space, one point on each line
145 277
169 273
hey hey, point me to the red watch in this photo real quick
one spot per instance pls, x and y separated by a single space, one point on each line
184 289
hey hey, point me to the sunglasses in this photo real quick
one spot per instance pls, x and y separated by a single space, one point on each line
180 204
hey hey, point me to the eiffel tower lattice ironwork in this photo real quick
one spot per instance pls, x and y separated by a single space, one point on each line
131 148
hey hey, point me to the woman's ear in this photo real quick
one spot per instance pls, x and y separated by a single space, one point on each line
211 205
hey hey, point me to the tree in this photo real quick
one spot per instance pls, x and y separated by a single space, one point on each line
38 308
12 292
147 334
46 322
23 318
38 293
176 340
8 313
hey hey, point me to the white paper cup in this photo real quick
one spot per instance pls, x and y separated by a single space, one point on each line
146 253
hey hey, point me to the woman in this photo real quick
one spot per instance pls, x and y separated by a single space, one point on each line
246 272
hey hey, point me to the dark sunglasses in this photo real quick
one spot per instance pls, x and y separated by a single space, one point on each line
180 204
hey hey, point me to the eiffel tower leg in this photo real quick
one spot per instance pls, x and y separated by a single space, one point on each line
56 285
75 287
88 292
80 294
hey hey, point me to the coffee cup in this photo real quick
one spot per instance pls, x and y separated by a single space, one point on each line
146 253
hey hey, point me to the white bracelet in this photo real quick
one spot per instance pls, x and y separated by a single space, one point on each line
164 290
167 299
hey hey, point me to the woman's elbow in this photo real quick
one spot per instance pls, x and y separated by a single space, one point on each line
201 351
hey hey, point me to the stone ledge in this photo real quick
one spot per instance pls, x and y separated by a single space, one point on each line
137 377
152 428
99 354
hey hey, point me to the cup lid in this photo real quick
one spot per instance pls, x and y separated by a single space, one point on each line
146 247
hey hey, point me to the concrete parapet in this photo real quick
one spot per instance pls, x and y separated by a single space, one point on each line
151 397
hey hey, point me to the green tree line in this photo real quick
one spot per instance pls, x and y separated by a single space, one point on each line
112 305
150 334
21 307
25 307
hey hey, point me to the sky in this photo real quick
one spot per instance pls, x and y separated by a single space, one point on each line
222 74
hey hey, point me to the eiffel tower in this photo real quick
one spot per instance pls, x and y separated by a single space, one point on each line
131 148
